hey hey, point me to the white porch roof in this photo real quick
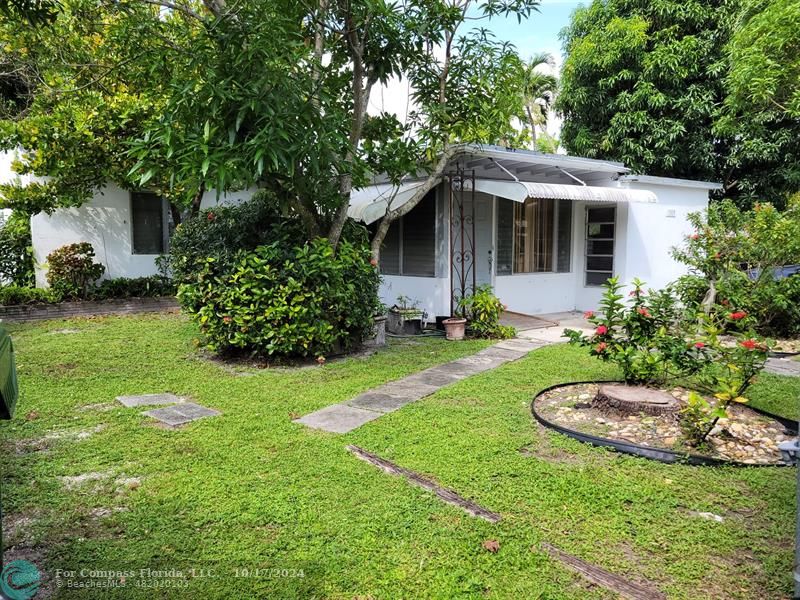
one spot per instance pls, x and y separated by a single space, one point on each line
369 204
519 191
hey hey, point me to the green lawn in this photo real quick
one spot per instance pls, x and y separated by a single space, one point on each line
252 490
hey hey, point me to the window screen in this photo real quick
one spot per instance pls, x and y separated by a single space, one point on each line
505 233
390 250
419 238
409 247
147 221
564 236
600 230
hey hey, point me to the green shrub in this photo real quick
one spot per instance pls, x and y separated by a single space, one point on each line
11 295
652 345
642 337
72 271
732 257
286 300
482 311
16 250
137 287
221 232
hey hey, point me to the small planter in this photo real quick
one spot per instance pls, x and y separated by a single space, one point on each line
404 321
379 332
454 328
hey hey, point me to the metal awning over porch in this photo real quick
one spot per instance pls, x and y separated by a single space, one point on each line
519 191
369 204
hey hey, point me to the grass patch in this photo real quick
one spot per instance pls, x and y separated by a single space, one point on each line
93 485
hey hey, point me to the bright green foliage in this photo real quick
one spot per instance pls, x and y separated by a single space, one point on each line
762 109
641 84
765 57
13 294
71 270
732 257
16 250
659 86
286 300
78 89
639 337
482 310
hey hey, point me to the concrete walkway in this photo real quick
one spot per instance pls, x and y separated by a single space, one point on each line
392 396
783 366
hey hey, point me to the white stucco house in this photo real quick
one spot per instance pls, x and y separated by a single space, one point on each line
545 231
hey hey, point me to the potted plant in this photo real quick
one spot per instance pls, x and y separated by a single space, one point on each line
454 328
405 318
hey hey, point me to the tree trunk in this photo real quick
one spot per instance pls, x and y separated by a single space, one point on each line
433 180
710 297
175 211
194 209
533 125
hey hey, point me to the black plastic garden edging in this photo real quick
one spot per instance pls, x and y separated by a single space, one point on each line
659 454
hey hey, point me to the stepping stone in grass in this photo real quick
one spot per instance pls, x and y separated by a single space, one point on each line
148 400
182 413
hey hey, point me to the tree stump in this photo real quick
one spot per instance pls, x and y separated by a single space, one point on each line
627 400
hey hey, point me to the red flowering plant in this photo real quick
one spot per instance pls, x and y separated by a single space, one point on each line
639 335
723 370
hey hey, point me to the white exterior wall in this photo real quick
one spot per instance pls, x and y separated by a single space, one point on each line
652 230
104 222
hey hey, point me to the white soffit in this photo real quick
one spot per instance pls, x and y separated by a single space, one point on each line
519 191
372 202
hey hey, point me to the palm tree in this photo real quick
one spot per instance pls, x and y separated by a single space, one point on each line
538 91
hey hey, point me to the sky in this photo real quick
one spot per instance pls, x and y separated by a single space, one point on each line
539 33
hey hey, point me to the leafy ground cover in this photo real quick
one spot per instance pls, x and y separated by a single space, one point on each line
92 485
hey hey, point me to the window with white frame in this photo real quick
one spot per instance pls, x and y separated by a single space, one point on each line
149 223
534 236
600 233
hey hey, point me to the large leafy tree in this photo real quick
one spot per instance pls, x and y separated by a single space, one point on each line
187 96
642 83
762 108
77 89
687 89
279 99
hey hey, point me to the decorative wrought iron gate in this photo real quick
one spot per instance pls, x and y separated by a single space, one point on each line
462 236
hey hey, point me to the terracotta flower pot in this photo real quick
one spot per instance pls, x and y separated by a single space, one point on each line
454 328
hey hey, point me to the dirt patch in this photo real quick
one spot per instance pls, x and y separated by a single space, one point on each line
74 482
745 436
60 368
17 528
99 407
44 443
545 450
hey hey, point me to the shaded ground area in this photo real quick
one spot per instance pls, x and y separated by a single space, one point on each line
251 504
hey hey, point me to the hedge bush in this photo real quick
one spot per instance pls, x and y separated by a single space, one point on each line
11 295
732 257
135 287
221 232
16 250
71 270
279 299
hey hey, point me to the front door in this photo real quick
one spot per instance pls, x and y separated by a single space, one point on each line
484 240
